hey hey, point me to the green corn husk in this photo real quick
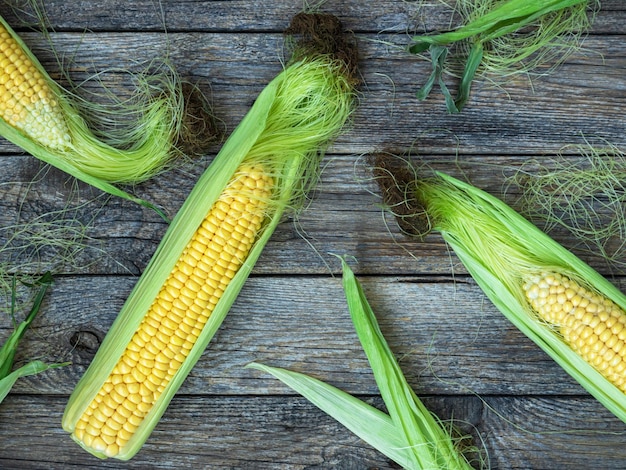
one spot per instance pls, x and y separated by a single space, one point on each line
410 434
8 377
501 38
501 249
150 141
287 130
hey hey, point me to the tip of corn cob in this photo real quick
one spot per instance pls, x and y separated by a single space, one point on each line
27 102
593 325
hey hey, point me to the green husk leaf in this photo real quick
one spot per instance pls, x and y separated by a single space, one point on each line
9 348
512 36
430 445
471 67
410 435
293 120
368 423
500 18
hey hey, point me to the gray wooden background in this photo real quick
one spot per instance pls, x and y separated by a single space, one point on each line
459 353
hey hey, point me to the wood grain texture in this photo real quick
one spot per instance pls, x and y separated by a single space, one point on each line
530 116
264 15
290 433
457 351
275 322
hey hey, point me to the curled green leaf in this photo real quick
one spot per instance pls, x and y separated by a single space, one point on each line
9 348
503 38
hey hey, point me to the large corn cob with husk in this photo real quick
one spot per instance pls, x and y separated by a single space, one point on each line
571 311
46 121
265 167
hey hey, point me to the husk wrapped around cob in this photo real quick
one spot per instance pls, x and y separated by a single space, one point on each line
562 304
49 122
263 170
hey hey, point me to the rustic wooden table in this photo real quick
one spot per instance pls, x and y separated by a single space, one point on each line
459 353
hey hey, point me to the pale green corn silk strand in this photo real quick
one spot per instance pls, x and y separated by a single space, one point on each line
500 39
581 191
56 240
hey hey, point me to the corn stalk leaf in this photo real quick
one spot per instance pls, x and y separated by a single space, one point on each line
32 368
504 18
9 348
430 445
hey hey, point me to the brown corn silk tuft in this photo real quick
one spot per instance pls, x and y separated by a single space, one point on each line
323 34
396 182
174 321
199 128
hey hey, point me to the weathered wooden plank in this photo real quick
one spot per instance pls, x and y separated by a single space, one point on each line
585 96
449 338
544 433
343 217
265 15
520 433
201 433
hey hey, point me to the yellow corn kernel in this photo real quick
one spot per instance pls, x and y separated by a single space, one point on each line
26 100
176 328
589 323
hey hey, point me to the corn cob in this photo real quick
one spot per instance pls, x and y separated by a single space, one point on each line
562 304
37 115
592 325
174 321
264 169
26 101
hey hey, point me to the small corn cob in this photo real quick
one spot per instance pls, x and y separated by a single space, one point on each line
37 115
592 325
26 101
172 325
